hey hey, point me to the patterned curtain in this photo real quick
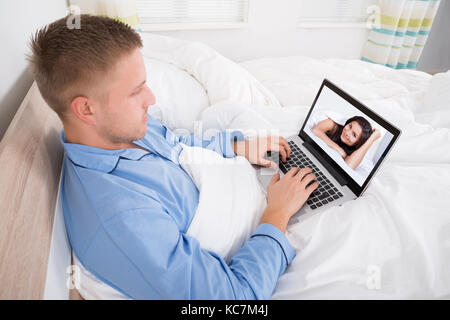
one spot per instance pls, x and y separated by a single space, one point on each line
403 27
122 10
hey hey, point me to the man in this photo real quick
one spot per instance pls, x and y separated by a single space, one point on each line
127 202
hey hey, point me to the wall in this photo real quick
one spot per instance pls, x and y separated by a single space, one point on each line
436 54
273 32
18 20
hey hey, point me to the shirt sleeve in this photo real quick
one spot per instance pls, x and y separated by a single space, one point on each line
221 142
174 266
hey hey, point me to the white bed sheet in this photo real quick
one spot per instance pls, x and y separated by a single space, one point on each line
394 241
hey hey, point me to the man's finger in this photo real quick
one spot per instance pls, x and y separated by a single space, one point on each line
283 142
279 144
292 172
274 147
303 172
267 163
275 177
313 186
307 179
283 154
276 143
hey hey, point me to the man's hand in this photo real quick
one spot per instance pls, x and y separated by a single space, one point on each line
254 149
287 195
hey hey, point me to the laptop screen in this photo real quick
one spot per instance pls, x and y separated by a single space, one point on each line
354 138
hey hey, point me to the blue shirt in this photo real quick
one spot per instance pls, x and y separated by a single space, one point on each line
127 211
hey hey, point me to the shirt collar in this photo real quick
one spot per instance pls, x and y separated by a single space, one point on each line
97 158
158 139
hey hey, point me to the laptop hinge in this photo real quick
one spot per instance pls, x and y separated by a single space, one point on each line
343 181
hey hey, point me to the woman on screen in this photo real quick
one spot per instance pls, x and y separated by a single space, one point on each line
351 140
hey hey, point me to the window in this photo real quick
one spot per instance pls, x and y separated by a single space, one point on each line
191 14
337 13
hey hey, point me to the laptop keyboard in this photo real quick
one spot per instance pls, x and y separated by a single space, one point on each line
326 192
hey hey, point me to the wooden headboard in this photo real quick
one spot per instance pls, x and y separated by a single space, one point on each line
30 166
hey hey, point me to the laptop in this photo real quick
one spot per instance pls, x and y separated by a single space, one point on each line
340 178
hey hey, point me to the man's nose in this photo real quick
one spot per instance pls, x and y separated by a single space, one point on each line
150 98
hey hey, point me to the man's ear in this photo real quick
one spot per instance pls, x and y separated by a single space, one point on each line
82 108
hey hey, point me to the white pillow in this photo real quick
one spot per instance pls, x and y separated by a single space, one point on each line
231 200
237 116
222 78
180 99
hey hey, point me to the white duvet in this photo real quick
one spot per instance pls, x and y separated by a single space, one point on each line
391 243
223 221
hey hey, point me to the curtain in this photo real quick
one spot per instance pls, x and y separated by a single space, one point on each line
402 31
122 10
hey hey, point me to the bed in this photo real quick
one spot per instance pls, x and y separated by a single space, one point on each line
391 243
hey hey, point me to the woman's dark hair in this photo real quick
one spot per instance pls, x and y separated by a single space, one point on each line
365 134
